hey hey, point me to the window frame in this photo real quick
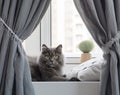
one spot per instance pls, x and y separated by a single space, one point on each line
46 36
45 29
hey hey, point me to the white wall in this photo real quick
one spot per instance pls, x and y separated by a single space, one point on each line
32 43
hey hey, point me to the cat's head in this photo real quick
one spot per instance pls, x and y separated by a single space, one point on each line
51 56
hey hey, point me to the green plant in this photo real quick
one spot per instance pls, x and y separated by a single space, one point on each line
86 46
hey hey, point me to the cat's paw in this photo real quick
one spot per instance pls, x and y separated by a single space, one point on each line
74 79
64 76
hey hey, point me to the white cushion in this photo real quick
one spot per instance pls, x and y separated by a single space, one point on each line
87 71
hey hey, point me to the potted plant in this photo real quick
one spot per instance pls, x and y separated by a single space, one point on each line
86 47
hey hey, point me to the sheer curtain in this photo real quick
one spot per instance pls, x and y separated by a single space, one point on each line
18 19
102 18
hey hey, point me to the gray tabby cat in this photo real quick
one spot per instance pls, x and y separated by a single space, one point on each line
49 66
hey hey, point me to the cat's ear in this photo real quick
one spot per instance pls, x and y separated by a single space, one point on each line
44 47
59 48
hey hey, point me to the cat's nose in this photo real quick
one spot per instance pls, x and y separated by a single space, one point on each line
51 63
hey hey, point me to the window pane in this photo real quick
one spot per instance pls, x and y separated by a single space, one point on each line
68 28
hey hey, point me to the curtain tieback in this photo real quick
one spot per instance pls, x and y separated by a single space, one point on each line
106 47
10 30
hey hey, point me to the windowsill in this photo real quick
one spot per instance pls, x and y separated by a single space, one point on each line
66 88
74 58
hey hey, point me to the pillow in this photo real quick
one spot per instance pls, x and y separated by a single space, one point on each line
87 71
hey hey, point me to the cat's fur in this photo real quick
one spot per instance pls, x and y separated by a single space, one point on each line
49 66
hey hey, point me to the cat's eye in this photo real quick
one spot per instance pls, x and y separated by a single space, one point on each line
56 57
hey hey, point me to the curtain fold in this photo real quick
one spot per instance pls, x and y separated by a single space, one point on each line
102 18
18 19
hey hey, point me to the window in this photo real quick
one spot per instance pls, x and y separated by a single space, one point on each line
69 29
61 24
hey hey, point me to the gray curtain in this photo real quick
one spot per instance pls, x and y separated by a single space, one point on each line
18 19
102 18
